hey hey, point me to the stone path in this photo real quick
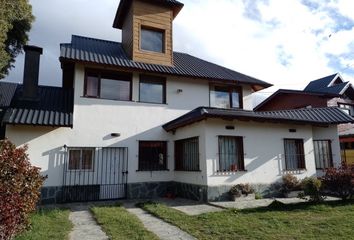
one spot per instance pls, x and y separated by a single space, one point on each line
189 207
85 226
163 230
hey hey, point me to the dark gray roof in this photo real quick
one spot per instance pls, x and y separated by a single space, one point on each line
320 83
336 89
312 116
53 107
7 91
98 51
124 5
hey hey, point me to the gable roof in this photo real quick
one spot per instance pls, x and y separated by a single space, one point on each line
7 91
313 116
54 107
320 83
124 5
297 92
90 50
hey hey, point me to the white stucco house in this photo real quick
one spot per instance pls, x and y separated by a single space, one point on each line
137 120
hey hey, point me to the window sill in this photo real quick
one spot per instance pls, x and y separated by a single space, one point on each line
107 99
295 170
188 170
154 170
151 103
237 171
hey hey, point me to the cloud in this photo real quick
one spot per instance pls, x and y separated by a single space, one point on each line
287 43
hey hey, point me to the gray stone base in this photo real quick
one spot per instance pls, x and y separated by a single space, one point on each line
51 195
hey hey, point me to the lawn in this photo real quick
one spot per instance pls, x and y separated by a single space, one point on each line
301 221
118 224
48 224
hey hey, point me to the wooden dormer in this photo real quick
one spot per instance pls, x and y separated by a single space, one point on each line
147 29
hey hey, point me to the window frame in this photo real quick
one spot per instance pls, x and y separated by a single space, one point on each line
179 156
81 149
144 78
301 162
346 107
142 168
241 154
153 29
111 75
330 153
231 89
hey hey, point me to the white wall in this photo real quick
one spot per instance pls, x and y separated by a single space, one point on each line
263 149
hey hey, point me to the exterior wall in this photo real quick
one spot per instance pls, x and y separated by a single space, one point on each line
263 151
293 101
154 16
334 103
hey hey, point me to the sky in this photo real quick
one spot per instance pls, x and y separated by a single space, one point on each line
284 42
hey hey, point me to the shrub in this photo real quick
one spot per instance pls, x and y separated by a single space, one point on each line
20 185
239 189
313 188
340 181
290 183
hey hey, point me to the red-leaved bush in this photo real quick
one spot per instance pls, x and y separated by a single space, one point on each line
20 185
340 181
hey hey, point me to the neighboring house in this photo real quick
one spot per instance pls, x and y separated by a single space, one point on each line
330 91
136 119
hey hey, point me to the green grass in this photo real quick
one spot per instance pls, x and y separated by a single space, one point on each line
301 221
48 224
118 224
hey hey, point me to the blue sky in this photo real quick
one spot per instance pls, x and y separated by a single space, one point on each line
285 42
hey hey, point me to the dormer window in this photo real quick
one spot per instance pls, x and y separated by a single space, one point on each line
225 97
152 40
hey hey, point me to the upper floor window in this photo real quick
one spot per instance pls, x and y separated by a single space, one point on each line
225 96
347 108
152 39
152 89
107 85
294 154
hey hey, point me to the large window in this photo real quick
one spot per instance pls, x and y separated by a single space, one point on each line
294 154
323 154
152 89
225 97
152 39
81 159
152 155
347 108
231 155
113 86
187 154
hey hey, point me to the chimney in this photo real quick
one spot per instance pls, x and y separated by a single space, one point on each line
31 72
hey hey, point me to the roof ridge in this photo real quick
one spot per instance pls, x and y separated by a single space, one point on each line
92 38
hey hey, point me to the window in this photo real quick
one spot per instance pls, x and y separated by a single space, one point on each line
113 86
323 154
294 154
152 89
347 108
187 154
225 97
152 40
152 155
81 159
231 157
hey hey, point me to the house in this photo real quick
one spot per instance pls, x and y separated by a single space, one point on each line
330 91
137 120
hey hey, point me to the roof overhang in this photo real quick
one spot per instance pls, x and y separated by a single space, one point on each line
317 117
124 6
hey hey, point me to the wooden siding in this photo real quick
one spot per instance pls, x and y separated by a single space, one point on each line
152 16
294 101
127 33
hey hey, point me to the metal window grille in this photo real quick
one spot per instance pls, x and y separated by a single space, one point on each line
231 155
323 154
187 154
294 154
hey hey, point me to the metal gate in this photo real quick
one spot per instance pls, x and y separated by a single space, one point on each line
103 176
